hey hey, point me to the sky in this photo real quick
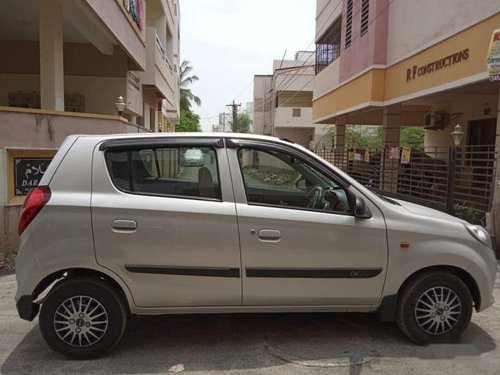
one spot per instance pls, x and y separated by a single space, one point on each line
229 41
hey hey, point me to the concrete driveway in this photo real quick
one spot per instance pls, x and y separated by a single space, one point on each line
256 344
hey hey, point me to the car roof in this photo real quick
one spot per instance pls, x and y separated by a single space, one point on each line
141 136
183 135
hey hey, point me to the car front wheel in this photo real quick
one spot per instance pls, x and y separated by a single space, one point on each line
83 318
436 307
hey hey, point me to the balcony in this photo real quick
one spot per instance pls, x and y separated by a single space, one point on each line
53 126
293 117
159 71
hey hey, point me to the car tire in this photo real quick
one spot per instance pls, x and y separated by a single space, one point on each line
435 307
83 318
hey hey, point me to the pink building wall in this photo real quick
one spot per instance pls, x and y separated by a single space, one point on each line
369 49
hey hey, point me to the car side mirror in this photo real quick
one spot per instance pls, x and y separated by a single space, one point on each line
360 209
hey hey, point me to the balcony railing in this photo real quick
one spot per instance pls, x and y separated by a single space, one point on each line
163 52
159 44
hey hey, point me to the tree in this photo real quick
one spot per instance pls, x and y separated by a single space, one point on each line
412 136
187 97
243 123
327 140
361 137
188 122
357 136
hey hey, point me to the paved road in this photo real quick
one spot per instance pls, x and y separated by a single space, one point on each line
256 344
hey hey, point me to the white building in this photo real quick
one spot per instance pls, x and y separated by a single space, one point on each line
283 101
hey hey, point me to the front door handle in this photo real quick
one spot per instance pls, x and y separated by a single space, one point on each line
270 235
124 225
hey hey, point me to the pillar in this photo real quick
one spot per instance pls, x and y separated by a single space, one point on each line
51 55
390 138
391 126
340 122
493 217
339 156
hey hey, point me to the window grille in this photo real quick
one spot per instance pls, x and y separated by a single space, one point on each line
365 11
348 24
296 112
328 47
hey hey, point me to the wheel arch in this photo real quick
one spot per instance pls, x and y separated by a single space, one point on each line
47 283
387 309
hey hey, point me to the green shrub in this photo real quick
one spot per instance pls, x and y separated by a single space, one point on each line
467 211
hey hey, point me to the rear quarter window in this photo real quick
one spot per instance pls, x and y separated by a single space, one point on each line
189 172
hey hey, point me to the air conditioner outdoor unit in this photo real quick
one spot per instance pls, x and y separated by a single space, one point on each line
436 120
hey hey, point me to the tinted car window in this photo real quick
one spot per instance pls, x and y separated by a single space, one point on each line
166 171
276 178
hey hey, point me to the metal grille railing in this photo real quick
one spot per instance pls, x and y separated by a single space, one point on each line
440 177
473 175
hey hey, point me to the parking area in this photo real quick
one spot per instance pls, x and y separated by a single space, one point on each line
256 344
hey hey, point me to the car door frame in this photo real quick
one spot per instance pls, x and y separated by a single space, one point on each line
187 275
241 199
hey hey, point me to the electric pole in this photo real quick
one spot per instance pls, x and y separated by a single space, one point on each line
234 108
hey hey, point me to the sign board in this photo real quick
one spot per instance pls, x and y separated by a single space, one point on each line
366 156
436 65
394 153
28 172
493 58
405 155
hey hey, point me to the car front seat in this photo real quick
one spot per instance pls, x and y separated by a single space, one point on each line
206 183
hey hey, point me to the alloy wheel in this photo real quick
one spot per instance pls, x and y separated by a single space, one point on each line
438 310
80 321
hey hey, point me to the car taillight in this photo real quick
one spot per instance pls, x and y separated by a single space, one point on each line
36 199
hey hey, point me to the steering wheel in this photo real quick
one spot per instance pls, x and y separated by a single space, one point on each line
315 197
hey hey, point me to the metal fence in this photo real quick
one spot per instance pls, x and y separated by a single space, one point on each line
440 177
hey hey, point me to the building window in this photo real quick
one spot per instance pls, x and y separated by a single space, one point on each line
348 24
296 112
328 47
365 11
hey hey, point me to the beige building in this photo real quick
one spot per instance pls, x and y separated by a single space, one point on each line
282 102
79 66
405 62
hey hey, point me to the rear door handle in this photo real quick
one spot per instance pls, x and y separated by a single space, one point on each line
270 235
124 225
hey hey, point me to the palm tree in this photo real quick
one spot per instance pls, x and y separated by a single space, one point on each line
187 97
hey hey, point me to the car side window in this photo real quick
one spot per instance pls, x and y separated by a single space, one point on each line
280 179
166 171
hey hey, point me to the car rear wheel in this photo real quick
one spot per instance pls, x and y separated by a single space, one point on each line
436 307
83 318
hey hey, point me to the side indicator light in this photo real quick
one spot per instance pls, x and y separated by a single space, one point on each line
404 245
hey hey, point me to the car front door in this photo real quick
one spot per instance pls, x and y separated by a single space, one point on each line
167 227
300 241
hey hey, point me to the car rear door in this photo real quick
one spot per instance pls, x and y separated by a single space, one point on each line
168 230
294 254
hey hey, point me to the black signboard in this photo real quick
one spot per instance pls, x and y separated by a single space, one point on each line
27 173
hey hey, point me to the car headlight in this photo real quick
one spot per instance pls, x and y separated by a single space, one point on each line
480 234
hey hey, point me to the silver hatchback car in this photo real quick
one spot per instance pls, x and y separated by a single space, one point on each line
120 226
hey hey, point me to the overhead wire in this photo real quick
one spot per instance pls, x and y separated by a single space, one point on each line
342 47
288 81
284 84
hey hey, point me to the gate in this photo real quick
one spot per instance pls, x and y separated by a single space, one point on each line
446 178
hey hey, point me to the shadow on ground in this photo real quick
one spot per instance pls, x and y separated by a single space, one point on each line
226 342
